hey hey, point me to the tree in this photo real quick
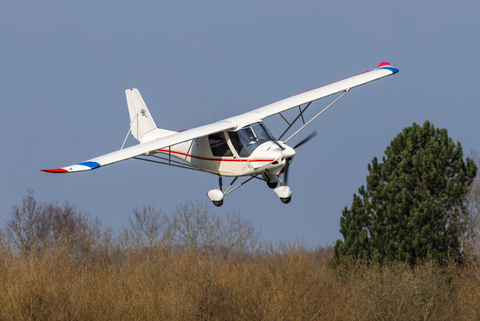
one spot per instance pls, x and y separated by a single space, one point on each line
412 206
35 227
148 226
191 225
194 226
471 241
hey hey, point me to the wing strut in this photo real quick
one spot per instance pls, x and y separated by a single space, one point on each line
308 122
173 163
227 191
290 125
129 130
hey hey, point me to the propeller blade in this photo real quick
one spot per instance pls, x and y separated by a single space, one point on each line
306 139
287 163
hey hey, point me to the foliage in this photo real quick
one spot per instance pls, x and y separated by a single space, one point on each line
147 226
35 227
471 241
129 277
191 225
412 207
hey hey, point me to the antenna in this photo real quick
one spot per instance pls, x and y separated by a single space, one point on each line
207 109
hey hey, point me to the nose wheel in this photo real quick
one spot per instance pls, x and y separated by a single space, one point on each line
284 193
271 180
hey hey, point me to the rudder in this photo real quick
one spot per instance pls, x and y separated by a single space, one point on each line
141 122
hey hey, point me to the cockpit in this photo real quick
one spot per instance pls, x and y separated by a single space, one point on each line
244 140
247 139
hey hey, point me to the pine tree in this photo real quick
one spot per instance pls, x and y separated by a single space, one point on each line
412 206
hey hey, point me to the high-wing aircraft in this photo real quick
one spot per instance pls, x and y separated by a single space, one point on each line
240 146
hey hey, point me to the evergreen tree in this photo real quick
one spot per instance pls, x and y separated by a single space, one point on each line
412 206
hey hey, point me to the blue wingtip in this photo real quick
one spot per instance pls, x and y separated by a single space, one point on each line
92 165
386 65
392 69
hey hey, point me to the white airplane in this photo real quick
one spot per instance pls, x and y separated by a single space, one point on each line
234 147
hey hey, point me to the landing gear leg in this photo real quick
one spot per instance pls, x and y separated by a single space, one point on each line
283 192
216 195
270 179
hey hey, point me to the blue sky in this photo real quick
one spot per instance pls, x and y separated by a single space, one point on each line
65 66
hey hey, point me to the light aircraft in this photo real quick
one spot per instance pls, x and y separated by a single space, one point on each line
239 146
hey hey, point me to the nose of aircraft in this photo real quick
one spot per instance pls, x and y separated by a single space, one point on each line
288 152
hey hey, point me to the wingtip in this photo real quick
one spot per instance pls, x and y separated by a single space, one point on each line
85 166
383 64
387 65
55 170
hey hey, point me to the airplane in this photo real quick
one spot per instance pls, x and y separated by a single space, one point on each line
240 146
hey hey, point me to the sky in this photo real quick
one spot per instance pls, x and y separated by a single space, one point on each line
66 65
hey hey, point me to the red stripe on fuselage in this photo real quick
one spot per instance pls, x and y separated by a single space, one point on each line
216 159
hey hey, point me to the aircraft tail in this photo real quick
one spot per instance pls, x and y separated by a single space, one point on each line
143 126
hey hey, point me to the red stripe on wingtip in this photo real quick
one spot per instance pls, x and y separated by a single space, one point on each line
383 64
57 170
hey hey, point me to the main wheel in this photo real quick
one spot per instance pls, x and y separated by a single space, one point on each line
286 200
218 203
272 184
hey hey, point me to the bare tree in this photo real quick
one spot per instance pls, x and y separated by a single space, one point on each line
472 216
34 227
191 224
21 228
148 226
234 233
196 227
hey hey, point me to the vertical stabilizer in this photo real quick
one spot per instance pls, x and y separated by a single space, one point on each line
141 121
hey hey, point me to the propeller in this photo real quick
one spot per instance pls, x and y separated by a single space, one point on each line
306 139
287 164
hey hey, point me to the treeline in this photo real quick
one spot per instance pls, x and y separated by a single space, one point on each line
60 264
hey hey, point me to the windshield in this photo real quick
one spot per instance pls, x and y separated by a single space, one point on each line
247 139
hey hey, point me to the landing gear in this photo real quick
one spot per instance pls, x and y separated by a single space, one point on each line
284 193
285 200
272 180
272 185
216 196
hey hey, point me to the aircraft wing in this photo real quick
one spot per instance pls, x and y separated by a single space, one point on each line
233 123
142 149
384 69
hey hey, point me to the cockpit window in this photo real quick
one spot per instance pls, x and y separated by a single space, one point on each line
247 139
218 145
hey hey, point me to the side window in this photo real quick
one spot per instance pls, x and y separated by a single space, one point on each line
218 145
239 142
